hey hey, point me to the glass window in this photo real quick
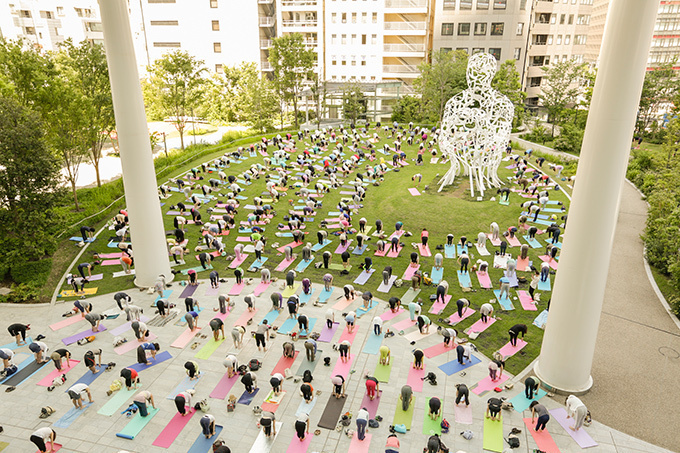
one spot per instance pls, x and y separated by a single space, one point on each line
553 18
216 25
464 29
217 47
550 39
363 39
449 4
480 28
571 19
447 29
465 4
482 4
518 53
562 18
334 18
559 40
446 49
364 17
496 52
464 49
374 39
499 4
522 5
354 18
213 3
520 28
567 40
374 18
344 18
343 39
354 39
334 39
477 50
219 69
497 28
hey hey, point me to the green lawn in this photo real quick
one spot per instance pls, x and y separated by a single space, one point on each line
450 211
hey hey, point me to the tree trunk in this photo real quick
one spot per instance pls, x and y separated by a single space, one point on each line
75 193
95 163
295 109
181 138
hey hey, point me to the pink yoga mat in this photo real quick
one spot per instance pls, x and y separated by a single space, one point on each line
463 413
236 289
454 318
132 344
486 384
413 191
284 362
67 322
408 273
343 303
243 319
439 307
484 280
424 251
379 253
262 287
415 378
342 368
242 239
236 263
110 262
393 253
581 437
544 440
403 325
327 334
508 350
47 380
523 264
293 244
514 242
283 265
223 387
552 262
57 447
389 315
348 336
108 256
479 326
526 301
341 249
397 234
185 338
297 446
212 291
494 242
360 446
438 349
172 430
371 406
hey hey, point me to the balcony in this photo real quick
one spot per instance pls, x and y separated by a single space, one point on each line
400 70
266 66
267 21
299 23
265 44
298 3
265 2
406 6
310 43
404 48
405 28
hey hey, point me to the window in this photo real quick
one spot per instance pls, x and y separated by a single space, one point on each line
446 49
464 29
374 18
363 62
168 22
562 18
219 69
518 53
217 47
364 18
571 19
583 19
167 44
216 25
334 62
497 28
559 40
354 39
480 28
586 2
540 40
482 4
580 39
363 39
334 18
213 3
24 13
578 58
520 28
354 62
344 18
465 4
94 26
550 39
477 50
449 4
464 49
344 62
334 39
344 39
500 4
447 29
535 81
47 14
522 5
354 18
374 39
567 40
496 52
60 10
29 31
553 18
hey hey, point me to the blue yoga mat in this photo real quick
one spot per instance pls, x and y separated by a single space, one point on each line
13 345
437 275
505 302
305 408
373 343
359 250
285 234
259 263
88 378
325 295
521 402
69 417
541 319
162 357
310 326
247 398
541 221
533 243
461 249
80 238
454 367
305 298
166 294
540 216
371 306
544 286
287 326
23 364
186 384
556 210
464 279
271 317
302 265
557 244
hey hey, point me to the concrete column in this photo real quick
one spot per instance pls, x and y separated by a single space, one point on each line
571 331
139 177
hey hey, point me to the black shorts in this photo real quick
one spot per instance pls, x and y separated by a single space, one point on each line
39 442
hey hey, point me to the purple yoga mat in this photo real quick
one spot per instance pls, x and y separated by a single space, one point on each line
189 290
327 334
581 437
341 249
162 357
79 336
125 327
371 406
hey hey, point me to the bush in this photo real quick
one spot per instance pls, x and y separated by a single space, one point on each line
407 109
570 139
34 272
23 293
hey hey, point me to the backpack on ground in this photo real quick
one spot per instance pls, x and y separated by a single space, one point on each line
467 434
254 364
445 425
243 369
401 429
431 378
513 441
307 376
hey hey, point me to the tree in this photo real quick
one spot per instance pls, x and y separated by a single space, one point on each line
29 187
561 88
439 80
407 109
174 87
318 89
660 87
354 102
256 98
292 64
26 74
90 71
507 81
218 99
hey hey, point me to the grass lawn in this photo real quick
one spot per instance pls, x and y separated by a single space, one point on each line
449 211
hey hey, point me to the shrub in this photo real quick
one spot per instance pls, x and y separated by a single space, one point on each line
23 293
34 272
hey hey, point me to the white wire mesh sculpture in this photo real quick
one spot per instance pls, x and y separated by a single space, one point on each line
476 127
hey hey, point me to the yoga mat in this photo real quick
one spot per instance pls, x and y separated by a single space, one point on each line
342 368
464 279
262 443
236 262
382 372
121 396
316 247
432 427
486 384
47 380
402 417
27 368
331 414
305 408
371 406
236 289
454 367
455 319
287 326
248 315
523 265
389 315
79 336
361 311
360 446
307 365
262 287
283 265
500 262
543 439
382 252
363 277
340 248
397 234
481 249
484 280
56 448
424 251
449 251
409 296
325 295
66 322
272 402
383 288
284 362
359 250
581 437
513 241
259 263
403 324
297 446
436 275
526 301
544 286
408 273
494 242
343 303
160 358
132 345
327 334
306 298
533 243
186 384
203 445
302 265
460 249
439 307
505 302
173 429
493 435
393 253
373 343
197 269
89 377
414 192
479 326
521 403
438 349
71 293
223 387
71 416
247 398
512 278
348 336
541 319
80 238
125 327
415 378
463 413
417 336
185 338
508 350
290 291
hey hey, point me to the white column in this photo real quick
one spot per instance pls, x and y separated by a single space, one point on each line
571 331
139 177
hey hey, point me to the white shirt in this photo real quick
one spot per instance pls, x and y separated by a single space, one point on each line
278 376
330 314
377 321
209 417
303 418
78 388
44 433
362 414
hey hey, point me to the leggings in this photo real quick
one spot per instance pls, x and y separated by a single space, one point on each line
259 340
300 428
424 240
464 264
542 421
329 323
343 350
39 442
180 403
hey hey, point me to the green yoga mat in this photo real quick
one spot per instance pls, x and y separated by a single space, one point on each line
117 400
493 435
404 418
3 445
382 372
136 425
197 269
338 267
207 350
432 427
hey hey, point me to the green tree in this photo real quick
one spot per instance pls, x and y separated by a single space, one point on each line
660 87
439 80
174 87
562 86
407 109
27 74
255 97
29 188
354 102
292 65
90 75
218 99
507 81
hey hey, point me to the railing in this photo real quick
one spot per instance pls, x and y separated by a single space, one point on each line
267 21
298 23
404 48
265 43
405 25
539 43
405 3
310 43
400 68
298 3
266 66
265 2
